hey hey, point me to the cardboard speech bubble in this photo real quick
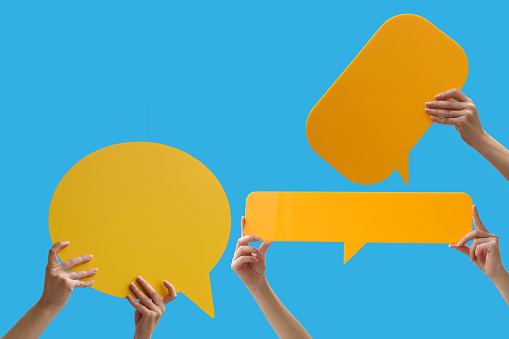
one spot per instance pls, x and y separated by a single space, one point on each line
144 209
357 218
372 116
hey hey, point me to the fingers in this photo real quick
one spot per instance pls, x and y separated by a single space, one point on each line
137 305
82 284
442 121
171 292
463 249
245 250
68 264
237 264
245 240
265 246
242 227
482 249
446 104
472 235
477 221
444 113
454 93
475 244
53 252
81 274
151 292
143 298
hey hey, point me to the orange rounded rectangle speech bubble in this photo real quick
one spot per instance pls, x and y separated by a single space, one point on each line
357 218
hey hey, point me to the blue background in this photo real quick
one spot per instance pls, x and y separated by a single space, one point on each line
232 84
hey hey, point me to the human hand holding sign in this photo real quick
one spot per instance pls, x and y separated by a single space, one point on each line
58 287
461 112
249 264
58 283
484 252
149 308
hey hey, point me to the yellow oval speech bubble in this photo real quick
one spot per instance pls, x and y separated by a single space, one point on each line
144 209
372 116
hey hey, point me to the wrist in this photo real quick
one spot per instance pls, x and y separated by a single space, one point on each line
482 141
500 277
260 288
46 308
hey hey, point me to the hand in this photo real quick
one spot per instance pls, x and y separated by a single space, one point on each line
484 251
148 310
461 113
58 283
249 262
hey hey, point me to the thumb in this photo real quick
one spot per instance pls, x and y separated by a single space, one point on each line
264 247
172 294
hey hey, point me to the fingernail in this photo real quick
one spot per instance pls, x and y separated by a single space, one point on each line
260 252
140 278
132 284
129 296
257 238
90 256
95 270
428 103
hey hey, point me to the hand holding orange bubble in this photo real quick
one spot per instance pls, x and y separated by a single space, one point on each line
484 251
249 262
461 113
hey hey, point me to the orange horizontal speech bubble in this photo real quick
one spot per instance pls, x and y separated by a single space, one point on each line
357 218
372 116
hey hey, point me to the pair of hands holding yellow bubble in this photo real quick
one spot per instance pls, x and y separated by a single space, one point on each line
58 287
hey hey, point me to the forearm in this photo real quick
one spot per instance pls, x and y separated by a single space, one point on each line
502 284
282 321
495 153
33 323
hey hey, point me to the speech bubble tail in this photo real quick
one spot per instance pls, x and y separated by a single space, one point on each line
350 248
200 292
403 168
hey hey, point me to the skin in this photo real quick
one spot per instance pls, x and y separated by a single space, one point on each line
149 308
250 265
58 287
484 252
462 114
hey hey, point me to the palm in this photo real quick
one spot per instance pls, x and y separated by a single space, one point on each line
137 317
252 273
489 263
